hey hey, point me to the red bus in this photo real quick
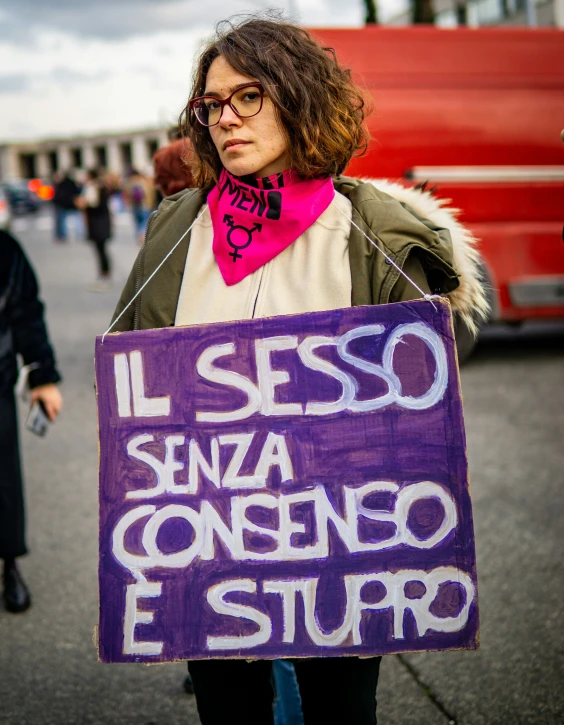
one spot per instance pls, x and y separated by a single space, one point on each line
478 114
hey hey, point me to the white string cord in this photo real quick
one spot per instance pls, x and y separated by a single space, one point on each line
153 274
425 295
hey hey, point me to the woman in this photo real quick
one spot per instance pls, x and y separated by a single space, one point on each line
274 229
94 202
22 332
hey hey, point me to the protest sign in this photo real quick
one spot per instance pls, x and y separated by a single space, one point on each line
285 487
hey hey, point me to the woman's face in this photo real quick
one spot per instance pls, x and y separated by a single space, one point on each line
264 147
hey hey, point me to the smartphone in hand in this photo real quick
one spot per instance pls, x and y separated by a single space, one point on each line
37 421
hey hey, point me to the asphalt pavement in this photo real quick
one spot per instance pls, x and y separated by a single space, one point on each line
513 390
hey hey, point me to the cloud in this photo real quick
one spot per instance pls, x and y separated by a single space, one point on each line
22 20
110 19
14 83
62 78
67 78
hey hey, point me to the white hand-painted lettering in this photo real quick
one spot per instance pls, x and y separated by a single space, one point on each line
231 478
198 462
395 597
130 561
214 525
179 559
241 523
261 397
388 376
207 520
426 489
123 390
132 374
350 631
208 371
269 379
215 597
133 616
288 591
289 527
316 634
435 344
274 452
164 471
305 351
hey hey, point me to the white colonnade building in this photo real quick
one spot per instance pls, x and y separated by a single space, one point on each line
116 152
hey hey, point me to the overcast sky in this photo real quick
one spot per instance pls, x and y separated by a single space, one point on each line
69 66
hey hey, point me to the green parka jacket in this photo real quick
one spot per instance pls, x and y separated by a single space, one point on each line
422 249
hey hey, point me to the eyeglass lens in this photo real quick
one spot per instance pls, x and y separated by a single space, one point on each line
245 102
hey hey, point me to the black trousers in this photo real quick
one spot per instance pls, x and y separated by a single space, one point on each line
102 255
12 520
334 690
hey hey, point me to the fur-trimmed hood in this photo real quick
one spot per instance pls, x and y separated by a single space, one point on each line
469 298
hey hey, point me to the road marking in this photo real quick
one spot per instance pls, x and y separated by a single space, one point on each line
44 223
19 225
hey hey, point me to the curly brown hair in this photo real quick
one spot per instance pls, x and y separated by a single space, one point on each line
321 109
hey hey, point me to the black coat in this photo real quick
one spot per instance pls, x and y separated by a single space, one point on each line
98 220
22 327
66 192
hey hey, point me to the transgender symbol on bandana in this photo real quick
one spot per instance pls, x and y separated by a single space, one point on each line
254 220
228 219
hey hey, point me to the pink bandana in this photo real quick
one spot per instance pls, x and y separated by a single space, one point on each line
256 219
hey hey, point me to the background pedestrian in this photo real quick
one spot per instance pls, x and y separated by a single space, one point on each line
94 202
140 193
66 191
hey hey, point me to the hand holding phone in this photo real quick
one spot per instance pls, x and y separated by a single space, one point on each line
50 397
37 421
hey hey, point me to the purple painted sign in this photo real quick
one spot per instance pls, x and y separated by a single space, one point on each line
285 487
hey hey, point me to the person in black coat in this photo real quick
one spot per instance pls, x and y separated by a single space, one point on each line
66 191
22 332
94 201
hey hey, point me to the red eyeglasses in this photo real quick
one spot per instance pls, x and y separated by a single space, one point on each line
245 101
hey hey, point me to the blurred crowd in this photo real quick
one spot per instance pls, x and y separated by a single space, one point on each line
85 202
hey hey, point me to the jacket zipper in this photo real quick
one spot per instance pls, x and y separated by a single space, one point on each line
258 292
138 276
